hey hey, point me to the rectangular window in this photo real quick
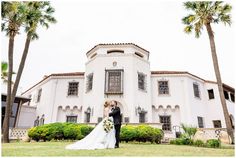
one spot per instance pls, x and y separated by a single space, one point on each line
211 93
163 87
126 119
99 119
30 97
200 122
72 119
73 89
89 83
39 95
196 90
226 94
232 97
114 82
141 81
166 123
217 123
142 117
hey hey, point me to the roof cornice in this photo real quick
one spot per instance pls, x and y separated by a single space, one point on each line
115 44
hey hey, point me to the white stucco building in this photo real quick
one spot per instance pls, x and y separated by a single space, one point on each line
121 72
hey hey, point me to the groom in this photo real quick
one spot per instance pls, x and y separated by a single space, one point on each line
115 113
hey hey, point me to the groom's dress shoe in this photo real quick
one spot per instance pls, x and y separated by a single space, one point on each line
116 146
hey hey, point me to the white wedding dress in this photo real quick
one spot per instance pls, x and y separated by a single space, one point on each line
98 138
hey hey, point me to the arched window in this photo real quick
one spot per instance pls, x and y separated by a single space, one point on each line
87 115
36 122
41 121
115 51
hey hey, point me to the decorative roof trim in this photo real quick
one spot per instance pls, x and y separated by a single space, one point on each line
114 44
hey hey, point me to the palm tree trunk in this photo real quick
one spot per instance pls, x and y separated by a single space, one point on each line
20 69
9 88
219 82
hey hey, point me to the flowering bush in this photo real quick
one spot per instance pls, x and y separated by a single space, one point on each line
107 125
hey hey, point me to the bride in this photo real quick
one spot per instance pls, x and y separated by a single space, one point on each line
98 138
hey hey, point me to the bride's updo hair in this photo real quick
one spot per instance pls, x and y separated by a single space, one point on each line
106 104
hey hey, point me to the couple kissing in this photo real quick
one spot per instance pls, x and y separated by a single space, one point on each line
106 134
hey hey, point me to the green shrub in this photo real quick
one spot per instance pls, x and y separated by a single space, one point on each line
179 141
43 132
182 141
55 131
33 133
85 130
72 131
159 134
187 141
213 143
173 141
59 131
128 133
198 143
189 131
141 133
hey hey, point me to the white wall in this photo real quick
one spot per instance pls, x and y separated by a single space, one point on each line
132 97
26 117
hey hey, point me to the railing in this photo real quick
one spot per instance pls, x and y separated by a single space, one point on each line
212 133
17 133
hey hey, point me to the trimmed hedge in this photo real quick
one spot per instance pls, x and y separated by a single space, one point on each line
59 131
72 131
141 133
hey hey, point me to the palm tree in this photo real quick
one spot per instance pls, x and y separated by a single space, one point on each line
33 15
204 14
13 14
38 13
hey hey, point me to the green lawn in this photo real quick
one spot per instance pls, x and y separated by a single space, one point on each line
131 149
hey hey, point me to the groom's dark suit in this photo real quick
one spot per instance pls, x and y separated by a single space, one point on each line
115 113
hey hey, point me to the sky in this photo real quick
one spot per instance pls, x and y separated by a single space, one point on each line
154 25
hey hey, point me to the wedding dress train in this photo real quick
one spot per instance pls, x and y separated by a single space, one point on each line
98 138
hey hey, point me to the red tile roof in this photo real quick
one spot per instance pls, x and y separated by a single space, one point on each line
69 74
55 74
175 72
185 72
113 44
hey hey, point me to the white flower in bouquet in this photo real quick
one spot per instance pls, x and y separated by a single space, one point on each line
107 125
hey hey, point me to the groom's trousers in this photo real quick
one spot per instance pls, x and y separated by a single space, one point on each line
117 134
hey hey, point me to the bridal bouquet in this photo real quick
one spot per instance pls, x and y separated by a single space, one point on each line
107 125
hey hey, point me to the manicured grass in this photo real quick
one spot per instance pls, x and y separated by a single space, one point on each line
126 149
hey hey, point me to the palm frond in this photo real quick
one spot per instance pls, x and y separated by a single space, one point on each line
4 66
40 14
190 5
226 19
188 19
188 29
